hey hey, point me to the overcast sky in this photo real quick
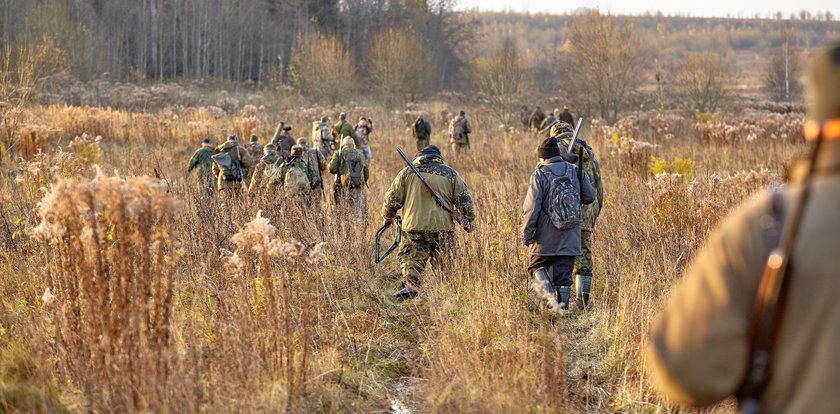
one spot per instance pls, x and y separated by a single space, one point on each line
700 8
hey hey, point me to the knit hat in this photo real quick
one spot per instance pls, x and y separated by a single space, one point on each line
206 141
463 113
232 138
303 141
325 118
822 85
566 107
548 148
254 138
429 151
348 142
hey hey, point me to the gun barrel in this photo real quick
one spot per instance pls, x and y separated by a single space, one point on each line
574 136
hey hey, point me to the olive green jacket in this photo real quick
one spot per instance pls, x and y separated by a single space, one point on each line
420 212
344 129
698 346
203 161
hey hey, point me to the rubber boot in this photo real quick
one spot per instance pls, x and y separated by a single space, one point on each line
543 280
582 285
563 295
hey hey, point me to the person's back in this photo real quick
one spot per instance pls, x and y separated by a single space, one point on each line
698 347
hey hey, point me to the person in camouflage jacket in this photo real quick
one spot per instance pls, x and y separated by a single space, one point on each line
201 160
588 163
428 229
263 168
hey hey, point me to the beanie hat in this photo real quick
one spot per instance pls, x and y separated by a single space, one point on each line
463 113
823 85
254 138
303 141
548 148
566 107
232 138
348 142
206 141
430 151
325 118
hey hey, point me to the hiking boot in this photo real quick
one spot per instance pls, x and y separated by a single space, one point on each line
405 293
563 295
582 285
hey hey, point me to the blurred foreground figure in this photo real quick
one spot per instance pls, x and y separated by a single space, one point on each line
352 171
586 162
551 221
428 229
718 322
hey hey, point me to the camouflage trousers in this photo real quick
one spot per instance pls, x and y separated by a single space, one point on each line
418 249
422 143
583 263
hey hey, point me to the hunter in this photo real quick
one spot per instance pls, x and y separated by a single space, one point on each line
318 167
265 168
588 163
283 141
232 165
699 346
422 131
363 130
343 129
352 171
321 137
459 133
203 161
428 229
536 119
551 220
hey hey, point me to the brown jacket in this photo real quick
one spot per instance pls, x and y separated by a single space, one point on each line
240 154
698 346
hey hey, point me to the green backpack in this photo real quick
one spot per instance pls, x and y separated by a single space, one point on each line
353 174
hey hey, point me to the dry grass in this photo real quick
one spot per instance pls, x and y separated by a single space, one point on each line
168 301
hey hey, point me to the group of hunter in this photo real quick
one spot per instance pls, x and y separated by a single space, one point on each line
429 200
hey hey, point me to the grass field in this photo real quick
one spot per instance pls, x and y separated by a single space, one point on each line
165 300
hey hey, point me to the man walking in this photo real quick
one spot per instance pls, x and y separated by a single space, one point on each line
589 164
318 167
551 220
322 139
283 141
352 171
344 129
566 116
203 161
459 133
428 229
422 132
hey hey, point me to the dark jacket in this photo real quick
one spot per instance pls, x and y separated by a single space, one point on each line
537 230
566 117
424 132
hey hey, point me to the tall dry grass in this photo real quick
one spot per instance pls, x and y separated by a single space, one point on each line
168 300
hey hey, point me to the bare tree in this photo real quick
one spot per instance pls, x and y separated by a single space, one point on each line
704 81
606 62
783 69
322 68
501 81
400 67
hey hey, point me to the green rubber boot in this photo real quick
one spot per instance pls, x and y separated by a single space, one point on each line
582 285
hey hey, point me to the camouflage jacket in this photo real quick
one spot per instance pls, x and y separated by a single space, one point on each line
322 139
202 160
338 164
317 164
258 177
459 130
420 212
293 162
589 164
237 152
344 129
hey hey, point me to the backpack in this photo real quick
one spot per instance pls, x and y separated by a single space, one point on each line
231 168
353 176
563 199
296 181
419 129
270 169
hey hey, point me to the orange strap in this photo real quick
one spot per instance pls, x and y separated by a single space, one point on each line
830 129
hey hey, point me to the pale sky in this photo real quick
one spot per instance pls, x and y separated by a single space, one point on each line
697 8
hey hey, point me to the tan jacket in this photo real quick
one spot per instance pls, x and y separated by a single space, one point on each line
240 154
420 211
698 346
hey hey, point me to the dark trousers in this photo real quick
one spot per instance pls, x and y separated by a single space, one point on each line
561 268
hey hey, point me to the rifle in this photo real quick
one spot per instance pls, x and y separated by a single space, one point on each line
239 164
456 215
376 257
574 136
